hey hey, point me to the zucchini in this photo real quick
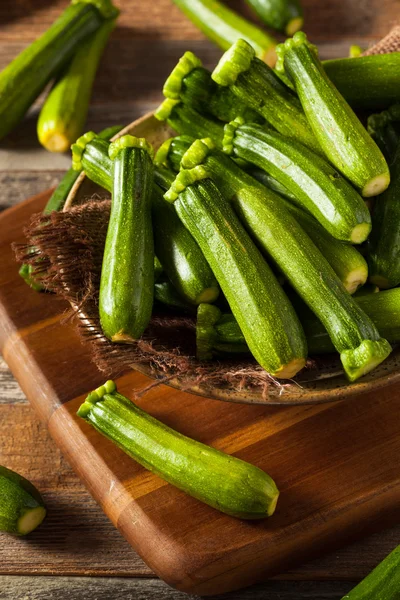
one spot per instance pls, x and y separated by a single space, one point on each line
223 26
384 242
170 152
225 482
383 583
26 76
284 15
191 83
271 183
355 51
64 111
56 202
340 134
368 288
166 294
367 82
220 333
266 217
187 121
384 128
317 186
127 274
21 506
266 317
256 84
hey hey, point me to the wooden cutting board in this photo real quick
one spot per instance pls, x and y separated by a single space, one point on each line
337 465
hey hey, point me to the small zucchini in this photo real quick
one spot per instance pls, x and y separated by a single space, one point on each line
26 76
384 242
224 482
340 134
223 26
269 222
367 82
127 274
265 315
256 84
316 184
383 583
64 111
191 83
187 121
21 506
283 15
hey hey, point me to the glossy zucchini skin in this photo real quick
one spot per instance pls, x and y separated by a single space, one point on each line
166 294
265 315
127 274
64 111
224 482
25 77
340 134
384 242
96 163
367 82
316 185
256 84
21 506
383 582
223 26
283 15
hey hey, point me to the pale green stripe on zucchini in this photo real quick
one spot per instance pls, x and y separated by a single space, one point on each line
340 133
224 482
21 506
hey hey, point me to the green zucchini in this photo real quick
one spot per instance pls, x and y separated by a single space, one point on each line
127 274
384 128
316 185
56 202
223 26
166 294
21 506
170 152
340 134
367 82
284 15
271 183
266 217
384 242
192 84
26 76
90 154
257 85
382 584
219 333
266 317
368 288
187 121
225 482
64 111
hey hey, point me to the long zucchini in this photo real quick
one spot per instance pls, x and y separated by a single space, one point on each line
339 132
127 274
25 77
188 121
219 333
64 111
257 85
383 583
223 26
266 317
316 185
367 82
225 482
280 235
191 83
284 15
384 242
21 506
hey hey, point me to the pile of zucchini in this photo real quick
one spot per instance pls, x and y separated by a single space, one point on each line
68 54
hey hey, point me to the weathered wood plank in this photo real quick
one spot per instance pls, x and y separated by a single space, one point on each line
78 588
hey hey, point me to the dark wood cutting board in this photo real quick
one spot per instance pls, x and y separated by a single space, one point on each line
337 465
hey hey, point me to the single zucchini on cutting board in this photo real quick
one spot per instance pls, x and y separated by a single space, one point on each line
21 506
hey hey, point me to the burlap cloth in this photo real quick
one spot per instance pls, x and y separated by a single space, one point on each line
69 250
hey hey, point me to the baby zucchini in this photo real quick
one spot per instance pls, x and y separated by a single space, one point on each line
127 274
340 134
21 506
226 483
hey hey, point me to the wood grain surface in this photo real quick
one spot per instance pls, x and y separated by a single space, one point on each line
77 538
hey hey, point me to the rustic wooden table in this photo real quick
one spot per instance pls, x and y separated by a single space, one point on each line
77 540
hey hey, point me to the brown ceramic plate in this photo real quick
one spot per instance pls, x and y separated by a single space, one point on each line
323 382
